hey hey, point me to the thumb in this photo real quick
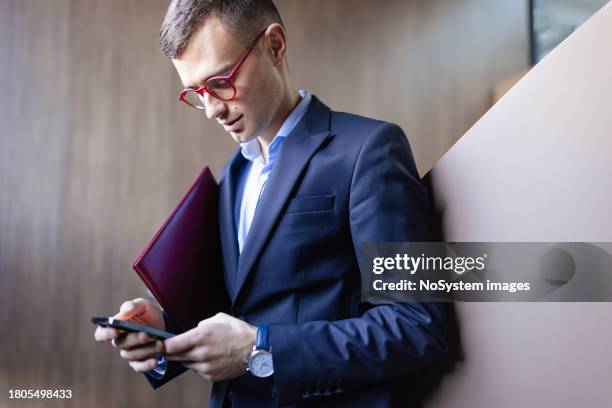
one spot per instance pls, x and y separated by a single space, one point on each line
130 309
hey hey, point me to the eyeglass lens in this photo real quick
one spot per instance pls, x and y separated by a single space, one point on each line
218 88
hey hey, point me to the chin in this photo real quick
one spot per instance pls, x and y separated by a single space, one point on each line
242 136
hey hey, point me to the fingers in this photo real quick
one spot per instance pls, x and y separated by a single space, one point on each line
182 342
193 345
139 349
195 354
151 350
105 333
200 367
127 341
203 369
144 366
131 309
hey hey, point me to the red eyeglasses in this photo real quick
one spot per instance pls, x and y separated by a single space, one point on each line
221 87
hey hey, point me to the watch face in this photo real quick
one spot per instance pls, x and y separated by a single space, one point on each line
260 363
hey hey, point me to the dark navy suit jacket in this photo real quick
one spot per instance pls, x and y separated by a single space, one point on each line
339 180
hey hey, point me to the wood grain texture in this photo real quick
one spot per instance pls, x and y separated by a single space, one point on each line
95 151
427 65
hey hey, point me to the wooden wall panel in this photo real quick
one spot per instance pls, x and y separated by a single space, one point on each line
95 150
95 154
427 65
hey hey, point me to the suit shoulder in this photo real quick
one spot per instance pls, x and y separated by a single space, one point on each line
357 128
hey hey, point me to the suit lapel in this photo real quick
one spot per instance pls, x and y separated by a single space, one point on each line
227 222
295 152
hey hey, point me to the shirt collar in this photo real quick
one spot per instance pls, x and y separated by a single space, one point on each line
251 150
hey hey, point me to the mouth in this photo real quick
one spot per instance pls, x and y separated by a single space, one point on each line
231 125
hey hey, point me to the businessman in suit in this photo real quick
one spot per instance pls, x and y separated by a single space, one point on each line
304 190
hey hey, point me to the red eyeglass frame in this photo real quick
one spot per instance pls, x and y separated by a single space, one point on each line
229 78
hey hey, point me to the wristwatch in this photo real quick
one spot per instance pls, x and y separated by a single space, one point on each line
259 362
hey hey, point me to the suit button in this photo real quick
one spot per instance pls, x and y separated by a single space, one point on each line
310 387
320 389
327 388
338 387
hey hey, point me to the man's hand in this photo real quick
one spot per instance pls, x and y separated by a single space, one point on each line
138 349
216 349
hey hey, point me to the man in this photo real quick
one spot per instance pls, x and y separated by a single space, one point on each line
305 189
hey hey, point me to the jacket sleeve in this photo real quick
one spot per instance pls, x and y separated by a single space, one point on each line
173 368
319 358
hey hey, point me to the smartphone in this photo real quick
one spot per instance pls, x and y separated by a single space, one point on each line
106 321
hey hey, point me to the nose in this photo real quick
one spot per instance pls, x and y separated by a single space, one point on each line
214 107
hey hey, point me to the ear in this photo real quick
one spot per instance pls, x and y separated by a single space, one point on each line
276 40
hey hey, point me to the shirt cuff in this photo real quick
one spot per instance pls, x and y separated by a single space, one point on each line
159 372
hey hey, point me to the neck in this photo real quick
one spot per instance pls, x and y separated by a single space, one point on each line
290 100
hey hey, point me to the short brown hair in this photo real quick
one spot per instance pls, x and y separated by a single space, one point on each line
244 18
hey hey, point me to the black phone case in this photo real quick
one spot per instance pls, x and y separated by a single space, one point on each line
133 327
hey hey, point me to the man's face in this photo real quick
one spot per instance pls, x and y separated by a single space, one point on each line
213 50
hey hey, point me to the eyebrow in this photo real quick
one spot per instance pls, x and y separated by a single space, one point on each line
218 72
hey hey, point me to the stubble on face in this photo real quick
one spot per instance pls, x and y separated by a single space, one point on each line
260 103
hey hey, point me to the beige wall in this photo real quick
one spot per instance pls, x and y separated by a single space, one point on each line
536 168
95 151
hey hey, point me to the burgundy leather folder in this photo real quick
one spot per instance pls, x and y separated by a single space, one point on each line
181 265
